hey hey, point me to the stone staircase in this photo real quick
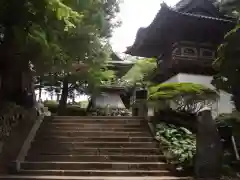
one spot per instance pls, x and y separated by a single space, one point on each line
94 148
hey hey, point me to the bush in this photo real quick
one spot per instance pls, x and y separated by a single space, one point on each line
50 102
230 120
188 97
179 119
110 112
178 144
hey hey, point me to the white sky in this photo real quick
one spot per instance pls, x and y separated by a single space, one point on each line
134 14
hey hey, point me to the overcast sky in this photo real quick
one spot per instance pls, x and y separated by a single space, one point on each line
134 14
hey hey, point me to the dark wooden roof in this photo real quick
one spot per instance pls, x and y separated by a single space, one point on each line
171 25
120 67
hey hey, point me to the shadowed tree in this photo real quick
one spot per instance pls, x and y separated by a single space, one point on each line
227 62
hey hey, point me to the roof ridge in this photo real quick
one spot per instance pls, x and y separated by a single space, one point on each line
198 15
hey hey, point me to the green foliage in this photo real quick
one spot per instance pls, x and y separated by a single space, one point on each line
50 103
173 90
230 120
178 143
187 97
107 111
53 34
227 62
231 7
229 117
140 72
79 52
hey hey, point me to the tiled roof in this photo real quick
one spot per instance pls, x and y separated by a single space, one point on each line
183 3
202 16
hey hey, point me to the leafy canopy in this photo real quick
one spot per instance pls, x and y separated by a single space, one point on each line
141 71
227 62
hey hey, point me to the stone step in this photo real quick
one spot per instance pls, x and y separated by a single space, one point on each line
122 173
91 144
98 121
96 129
98 117
91 133
95 151
95 138
91 178
98 158
94 165
87 125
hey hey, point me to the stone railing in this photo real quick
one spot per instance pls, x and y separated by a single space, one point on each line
42 112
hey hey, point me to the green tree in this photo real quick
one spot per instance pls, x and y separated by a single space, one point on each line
140 72
25 41
48 36
227 62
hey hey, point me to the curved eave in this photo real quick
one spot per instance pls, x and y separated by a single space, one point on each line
139 47
156 35
120 67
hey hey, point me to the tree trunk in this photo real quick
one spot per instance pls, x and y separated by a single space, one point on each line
236 100
63 101
17 87
11 88
73 99
16 80
29 90
40 90
51 95
58 97
236 96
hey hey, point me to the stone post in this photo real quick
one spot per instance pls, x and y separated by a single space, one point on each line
208 160
140 107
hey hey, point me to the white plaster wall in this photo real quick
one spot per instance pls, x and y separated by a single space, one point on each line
224 104
111 99
173 79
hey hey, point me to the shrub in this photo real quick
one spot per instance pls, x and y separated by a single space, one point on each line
178 144
230 120
50 102
188 97
110 112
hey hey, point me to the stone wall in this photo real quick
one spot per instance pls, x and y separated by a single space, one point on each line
12 145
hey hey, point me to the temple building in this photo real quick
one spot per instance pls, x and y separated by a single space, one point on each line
184 40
